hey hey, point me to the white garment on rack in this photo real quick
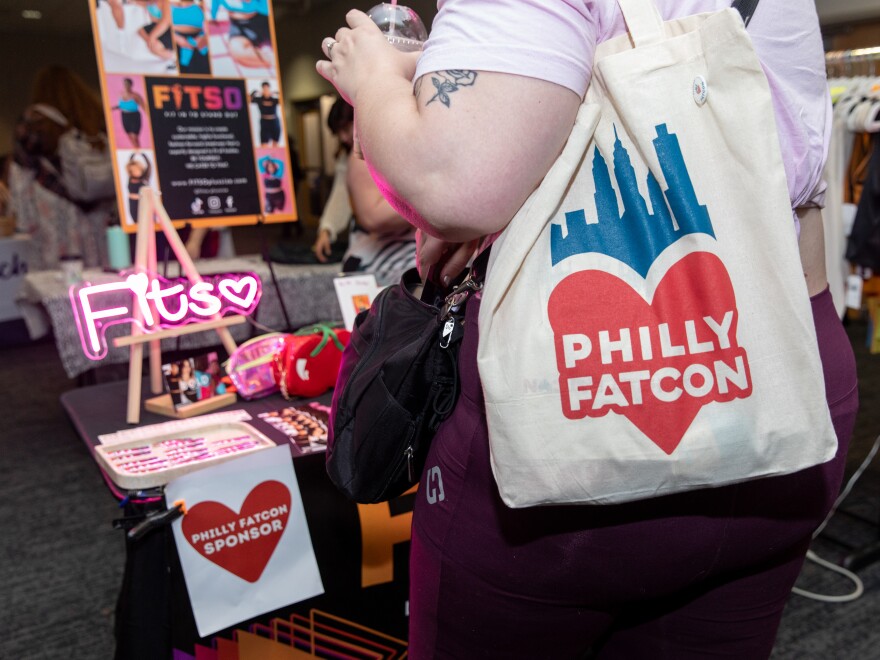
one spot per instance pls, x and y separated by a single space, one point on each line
857 110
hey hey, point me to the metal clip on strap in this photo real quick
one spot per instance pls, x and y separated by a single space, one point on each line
458 296
471 284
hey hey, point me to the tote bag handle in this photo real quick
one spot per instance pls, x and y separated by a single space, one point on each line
643 21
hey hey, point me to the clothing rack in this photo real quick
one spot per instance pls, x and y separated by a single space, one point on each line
858 61
855 64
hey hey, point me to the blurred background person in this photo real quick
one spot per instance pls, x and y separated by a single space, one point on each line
380 241
44 207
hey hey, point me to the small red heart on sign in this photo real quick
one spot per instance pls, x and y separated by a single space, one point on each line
243 542
656 363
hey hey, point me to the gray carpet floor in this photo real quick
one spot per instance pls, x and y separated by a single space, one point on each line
61 565
61 562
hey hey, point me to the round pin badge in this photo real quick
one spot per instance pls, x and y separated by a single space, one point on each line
701 90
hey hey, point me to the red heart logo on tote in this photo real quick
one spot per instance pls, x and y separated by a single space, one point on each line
243 542
656 363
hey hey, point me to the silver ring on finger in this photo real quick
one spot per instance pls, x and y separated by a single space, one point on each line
330 45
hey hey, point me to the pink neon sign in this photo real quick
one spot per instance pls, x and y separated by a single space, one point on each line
159 302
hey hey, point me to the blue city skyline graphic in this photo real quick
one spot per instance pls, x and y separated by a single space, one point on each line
635 237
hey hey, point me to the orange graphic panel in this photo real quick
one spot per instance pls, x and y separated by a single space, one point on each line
320 635
253 647
226 649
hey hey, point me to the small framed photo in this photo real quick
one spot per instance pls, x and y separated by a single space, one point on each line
193 379
355 294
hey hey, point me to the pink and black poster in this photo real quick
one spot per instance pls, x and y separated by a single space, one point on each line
194 109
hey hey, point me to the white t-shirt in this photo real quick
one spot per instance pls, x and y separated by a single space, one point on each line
554 40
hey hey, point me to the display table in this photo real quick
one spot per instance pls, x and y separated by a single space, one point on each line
306 290
362 553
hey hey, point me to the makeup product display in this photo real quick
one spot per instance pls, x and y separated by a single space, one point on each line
305 426
158 453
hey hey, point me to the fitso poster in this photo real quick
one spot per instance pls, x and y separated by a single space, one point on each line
193 104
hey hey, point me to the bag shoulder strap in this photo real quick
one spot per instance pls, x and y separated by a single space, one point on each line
480 265
645 25
746 8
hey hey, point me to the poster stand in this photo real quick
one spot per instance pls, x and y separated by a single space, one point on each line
151 210
267 259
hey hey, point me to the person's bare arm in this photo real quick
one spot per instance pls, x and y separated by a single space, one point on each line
337 210
811 245
372 212
118 13
336 215
162 26
460 155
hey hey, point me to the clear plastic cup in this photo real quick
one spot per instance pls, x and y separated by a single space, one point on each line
402 26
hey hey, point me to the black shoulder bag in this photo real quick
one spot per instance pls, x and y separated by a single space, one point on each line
397 383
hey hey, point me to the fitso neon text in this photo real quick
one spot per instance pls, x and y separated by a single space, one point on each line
155 303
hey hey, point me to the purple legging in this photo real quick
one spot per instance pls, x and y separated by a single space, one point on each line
695 575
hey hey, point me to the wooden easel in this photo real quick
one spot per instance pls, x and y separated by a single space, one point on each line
151 210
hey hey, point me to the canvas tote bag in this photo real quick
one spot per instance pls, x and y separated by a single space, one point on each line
645 326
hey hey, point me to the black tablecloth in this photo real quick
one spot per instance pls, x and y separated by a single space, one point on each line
367 588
